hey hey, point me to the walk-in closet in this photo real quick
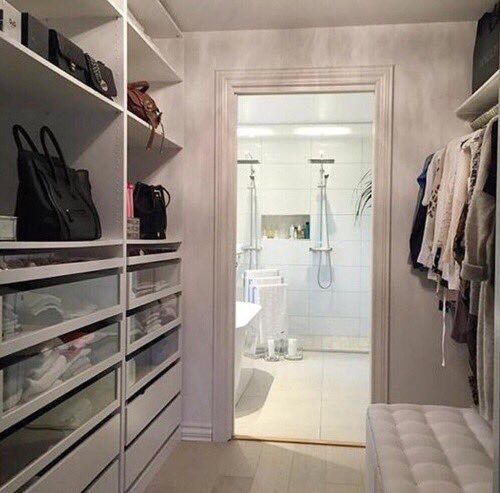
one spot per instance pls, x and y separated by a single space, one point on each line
90 317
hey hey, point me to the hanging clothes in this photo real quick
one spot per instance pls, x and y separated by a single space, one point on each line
468 157
417 232
478 265
434 174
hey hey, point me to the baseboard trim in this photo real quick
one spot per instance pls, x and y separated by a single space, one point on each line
191 432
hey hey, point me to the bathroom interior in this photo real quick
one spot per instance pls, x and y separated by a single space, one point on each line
303 252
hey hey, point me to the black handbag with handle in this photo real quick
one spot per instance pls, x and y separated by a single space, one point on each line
487 48
100 77
66 55
54 202
150 207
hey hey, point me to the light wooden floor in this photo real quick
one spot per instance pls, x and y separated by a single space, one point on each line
261 467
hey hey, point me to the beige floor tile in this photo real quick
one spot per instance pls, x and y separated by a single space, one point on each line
232 484
323 396
260 384
273 470
344 465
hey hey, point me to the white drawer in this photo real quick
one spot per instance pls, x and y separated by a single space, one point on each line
145 447
109 482
84 463
148 404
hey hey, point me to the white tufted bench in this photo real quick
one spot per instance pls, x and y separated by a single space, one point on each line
428 449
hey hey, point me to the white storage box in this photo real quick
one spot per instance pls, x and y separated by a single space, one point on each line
10 20
8 226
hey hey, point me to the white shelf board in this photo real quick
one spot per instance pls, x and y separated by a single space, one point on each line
146 61
155 257
139 131
54 88
155 18
21 412
55 245
167 241
62 9
482 100
57 270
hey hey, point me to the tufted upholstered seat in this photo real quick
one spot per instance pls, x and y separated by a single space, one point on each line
428 449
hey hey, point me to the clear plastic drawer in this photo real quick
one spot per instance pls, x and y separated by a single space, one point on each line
38 370
153 278
152 317
152 357
33 438
31 306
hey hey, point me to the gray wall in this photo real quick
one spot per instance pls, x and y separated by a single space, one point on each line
432 77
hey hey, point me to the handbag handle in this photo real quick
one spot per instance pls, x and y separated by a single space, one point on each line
44 132
141 85
164 190
19 132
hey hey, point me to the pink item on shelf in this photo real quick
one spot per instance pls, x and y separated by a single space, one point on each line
130 200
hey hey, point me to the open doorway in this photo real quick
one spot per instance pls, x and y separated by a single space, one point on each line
303 278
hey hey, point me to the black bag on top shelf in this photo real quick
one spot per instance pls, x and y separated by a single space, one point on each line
486 50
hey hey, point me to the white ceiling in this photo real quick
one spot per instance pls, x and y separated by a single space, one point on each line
226 15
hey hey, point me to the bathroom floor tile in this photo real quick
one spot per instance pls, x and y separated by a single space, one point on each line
324 396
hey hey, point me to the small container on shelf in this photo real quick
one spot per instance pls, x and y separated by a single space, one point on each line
133 228
8 228
10 21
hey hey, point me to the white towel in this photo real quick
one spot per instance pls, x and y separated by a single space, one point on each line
273 317
256 273
261 281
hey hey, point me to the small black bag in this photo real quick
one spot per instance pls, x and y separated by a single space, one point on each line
54 202
151 208
486 50
67 56
100 77
35 35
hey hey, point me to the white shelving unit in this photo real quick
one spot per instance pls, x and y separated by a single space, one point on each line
482 100
100 135
155 18
146 61
139 131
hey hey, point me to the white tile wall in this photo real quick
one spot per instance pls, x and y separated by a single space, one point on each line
287 185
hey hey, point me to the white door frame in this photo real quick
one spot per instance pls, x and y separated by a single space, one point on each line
230 84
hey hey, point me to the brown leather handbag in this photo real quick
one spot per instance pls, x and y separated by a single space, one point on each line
141 104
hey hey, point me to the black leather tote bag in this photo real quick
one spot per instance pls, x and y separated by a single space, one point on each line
150 207
486 50
54 202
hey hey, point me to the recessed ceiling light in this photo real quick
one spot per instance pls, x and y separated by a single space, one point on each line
316 131
255 132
